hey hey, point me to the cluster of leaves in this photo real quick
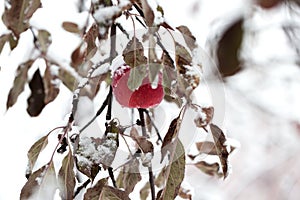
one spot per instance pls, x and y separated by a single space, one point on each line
88 155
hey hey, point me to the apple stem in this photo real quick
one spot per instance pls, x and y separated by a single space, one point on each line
151 178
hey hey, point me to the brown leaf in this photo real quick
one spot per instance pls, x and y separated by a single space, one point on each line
19 82
160 179
67 78
77 57
35 151
113 193
94 192
144 192
90 39
71 27
221 149
209 169
3 39
133 54
145 145
228 49
66 177
129 176
183 193
18 13
148 13
207 148
204 117
43 40
41 184
51 84
36 99
172 132
189 39
176 174
182 58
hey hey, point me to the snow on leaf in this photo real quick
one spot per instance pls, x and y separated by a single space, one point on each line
35 151
71 27
17 15
133 54
36 99
204 117
19 82
51 84
221 148
136 77
67 78
176 173
189 39
113 193
168 139
129 176
184 193
211 169
228 49
41 184
66 177
94 192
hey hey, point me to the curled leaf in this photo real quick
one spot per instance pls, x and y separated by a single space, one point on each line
228 49
189 39
172 132
209 169
221 148
36 100
66 177
148 13
18 13
94 192
35 151
19 83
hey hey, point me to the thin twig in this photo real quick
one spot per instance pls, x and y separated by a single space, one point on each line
153 124
81 187
151 178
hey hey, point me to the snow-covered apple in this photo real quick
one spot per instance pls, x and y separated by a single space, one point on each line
145 96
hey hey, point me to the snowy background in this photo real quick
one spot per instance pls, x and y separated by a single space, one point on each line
262 102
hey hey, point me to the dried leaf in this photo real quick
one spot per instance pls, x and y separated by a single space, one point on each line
209 169
94 192
220 140
77 57
176 174
183 193
36 99
41 184
90 39
51 84
172 132
129 176
3 39
66 177
67 78
18 13
160 179
43 40
133 54
136 77
228 49
207 148
189 39
144 192
204 117
71 27
113 193
182 58
35 151
19 82
145 145
148 13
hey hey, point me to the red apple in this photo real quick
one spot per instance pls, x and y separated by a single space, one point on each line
143 97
